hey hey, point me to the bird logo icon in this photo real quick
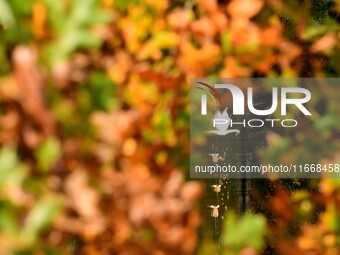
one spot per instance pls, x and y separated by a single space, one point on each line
222 127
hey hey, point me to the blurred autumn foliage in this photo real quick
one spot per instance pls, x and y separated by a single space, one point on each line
94 123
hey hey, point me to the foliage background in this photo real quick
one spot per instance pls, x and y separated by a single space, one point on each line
94 124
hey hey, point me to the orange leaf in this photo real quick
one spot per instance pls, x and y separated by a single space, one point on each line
244 8
39 20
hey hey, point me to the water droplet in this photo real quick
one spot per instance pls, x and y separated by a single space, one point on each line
217 188
214 211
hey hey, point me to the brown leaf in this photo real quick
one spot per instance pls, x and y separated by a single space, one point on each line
116 126
325 43
285 248
191 192
120 67
209 5
30 81
62 74
161 79
271 36
81 196
179 18
244 9
233 69
244 32
194 61
220 21
204 26
281 205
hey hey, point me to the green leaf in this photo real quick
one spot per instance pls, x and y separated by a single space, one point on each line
327 122
314 31
226 43
48 153
6 15
124 5
248 231
11 170
39 217
75 30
